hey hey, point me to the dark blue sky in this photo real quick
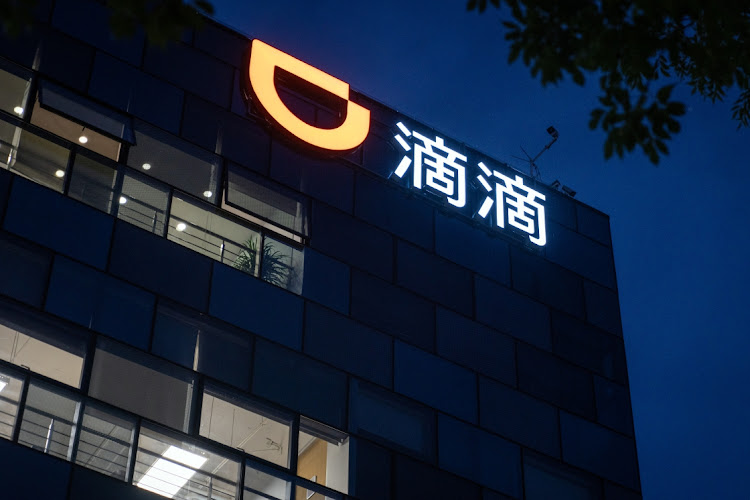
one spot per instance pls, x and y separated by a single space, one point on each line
680 230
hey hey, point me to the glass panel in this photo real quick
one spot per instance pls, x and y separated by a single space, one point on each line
140 383
106 441
311 492
177 469
282 265
250 427
49 420
215 351
263 482
41 348
270 202
143 203
93 183
175 162
198 227
75 132
86 112
15 83
10 393
324 455
546 479
38 159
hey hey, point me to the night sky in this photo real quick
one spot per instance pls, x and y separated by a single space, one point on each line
680 230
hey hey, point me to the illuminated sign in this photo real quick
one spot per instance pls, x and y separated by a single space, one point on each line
441 170
264 60
432 165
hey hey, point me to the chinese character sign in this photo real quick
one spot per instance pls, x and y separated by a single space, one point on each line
433 165
442 170
516 204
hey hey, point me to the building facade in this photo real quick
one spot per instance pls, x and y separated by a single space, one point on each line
196 302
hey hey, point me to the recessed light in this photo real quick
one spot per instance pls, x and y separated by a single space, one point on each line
208 194
83 139
18 110
146 166
181 226
60 173
123 200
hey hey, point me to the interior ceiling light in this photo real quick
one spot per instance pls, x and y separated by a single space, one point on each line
146 166
18 110
166 476
60 173
181 226
83 139
123 200
4 381
208 193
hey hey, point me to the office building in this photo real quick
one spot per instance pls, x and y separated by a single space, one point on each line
204 294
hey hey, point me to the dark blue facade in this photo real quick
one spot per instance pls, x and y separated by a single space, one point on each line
458 361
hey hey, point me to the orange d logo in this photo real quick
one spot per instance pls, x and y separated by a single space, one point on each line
264 60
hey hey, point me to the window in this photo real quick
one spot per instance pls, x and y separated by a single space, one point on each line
81 121
41 346
197 226
261 202
137 382
250 427
262 483
15 82
323 456
189 341
174 468
42 160
49 420
106 441
175 162
11 385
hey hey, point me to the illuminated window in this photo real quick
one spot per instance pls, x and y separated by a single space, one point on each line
323 457
81 121
202 228
268 205
262 483
250 427
106 440
49 420
173 468
176 162
11 385
41 347
15 82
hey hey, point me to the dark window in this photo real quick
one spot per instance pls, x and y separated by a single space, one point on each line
142 384
219 352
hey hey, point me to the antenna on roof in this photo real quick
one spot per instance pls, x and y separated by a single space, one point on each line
533 169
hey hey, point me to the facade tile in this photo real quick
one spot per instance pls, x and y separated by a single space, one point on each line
393 310
50 219
348 345
435 278
256 306
435 382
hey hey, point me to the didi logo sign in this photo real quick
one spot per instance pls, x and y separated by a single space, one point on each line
264 60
